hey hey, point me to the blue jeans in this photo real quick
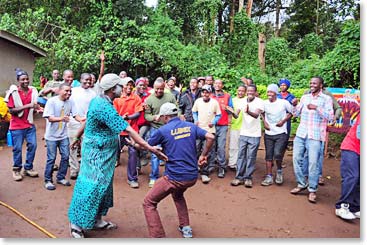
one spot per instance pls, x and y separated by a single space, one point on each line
220 145
300 146
320 161
18 136
154 173
350 173
247 152
52 146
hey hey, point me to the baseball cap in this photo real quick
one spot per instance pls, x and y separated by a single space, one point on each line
126 80
110 80
207 87
168 109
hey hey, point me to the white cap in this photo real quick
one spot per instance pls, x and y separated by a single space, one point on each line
110 80
168 109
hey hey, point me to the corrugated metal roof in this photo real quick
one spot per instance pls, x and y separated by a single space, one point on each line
23 43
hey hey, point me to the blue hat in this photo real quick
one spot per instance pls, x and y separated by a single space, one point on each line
285 81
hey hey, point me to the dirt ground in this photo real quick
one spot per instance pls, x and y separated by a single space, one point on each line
217 210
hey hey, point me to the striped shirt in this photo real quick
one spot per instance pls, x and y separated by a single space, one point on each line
314 122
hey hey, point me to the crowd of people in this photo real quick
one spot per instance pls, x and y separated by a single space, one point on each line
185 129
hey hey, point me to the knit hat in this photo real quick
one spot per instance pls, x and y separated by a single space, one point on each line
273 88
285 81
126 80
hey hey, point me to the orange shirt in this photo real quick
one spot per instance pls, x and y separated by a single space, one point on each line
129 105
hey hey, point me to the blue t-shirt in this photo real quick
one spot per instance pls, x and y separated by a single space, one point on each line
178 140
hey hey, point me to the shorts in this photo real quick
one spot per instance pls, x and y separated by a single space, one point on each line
274 146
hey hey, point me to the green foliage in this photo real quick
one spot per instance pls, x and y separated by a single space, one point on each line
310 44
342 64
278 56
301 71
241 46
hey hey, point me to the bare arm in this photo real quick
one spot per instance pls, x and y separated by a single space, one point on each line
15 110
209 143
76 140
101 70
142 143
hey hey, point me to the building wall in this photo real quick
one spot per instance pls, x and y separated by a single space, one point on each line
11 57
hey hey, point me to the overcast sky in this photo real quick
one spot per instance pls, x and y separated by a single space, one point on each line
151 3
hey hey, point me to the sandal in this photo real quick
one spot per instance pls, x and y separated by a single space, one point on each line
298 190
74 233
107 226
312 197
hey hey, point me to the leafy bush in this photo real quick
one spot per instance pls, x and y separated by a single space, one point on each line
279 56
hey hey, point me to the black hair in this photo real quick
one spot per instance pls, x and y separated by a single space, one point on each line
64 85
252 86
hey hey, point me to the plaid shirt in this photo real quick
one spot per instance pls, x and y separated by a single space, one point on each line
314 122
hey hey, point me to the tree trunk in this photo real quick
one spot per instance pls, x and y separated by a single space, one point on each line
277 16
231 19
248 8
317 18
262 43
240 5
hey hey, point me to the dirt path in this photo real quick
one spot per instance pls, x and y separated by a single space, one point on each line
217 210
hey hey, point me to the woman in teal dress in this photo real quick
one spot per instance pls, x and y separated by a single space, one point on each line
93 193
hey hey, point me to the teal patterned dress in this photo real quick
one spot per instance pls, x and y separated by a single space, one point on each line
93 194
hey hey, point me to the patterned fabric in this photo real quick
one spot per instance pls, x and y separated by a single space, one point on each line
93 194
313 122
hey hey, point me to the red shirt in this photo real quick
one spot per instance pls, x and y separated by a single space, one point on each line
17 122
129 105
223 100
351 142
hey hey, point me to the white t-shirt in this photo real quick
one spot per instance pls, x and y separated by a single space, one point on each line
55 107
81 98
251 126
275 112
206 113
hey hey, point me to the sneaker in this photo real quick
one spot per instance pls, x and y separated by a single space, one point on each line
186 231
357 214
17 176
248 183
344 213
151 183
236 182
63 182
49 186
279 177
205 179
221 173
133 184
31 173
267 181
